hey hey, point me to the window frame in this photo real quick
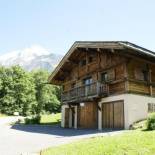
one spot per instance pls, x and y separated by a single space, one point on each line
151 107
82 63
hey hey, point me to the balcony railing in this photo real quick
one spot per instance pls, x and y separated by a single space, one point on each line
84 92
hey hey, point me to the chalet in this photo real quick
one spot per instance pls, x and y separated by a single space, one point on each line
105 84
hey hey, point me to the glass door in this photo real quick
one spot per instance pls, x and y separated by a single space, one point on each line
87 84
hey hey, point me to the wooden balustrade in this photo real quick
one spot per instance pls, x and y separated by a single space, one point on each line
84 92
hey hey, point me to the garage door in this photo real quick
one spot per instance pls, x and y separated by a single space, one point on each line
113 115
87 115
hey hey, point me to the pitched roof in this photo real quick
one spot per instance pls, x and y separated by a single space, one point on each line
103 44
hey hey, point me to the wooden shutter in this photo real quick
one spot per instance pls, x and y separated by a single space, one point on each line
111 75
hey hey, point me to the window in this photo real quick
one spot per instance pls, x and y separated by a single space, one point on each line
104 77
73 85
88 89
90 59
151 107
83 62
141 74
108 76
145 75
88 81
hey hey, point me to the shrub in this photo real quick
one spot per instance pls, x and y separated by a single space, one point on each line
151 122
33 119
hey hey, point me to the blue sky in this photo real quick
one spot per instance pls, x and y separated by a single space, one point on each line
56 24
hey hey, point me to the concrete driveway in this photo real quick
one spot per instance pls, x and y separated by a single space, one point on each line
23 139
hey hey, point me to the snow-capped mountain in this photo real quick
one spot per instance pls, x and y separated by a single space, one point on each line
35 57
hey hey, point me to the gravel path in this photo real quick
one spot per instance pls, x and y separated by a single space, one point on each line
21 139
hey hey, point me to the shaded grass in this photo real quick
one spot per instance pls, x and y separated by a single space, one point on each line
130 143
48 119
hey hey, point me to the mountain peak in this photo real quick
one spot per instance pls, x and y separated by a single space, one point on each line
33 57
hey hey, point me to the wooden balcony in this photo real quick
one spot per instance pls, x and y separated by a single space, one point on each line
84 92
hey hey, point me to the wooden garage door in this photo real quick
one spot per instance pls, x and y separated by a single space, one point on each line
113 115
87 115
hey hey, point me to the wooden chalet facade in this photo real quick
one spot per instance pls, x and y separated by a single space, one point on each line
105 84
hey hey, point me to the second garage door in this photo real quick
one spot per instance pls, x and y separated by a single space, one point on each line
113 115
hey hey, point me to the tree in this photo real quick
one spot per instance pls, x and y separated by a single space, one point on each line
27 92
17 91
47 96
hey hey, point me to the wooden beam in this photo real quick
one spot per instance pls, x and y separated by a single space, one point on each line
99 63
98 50
150 80
74 62
87 61
126 77
101 45
65 71
99 108
112 50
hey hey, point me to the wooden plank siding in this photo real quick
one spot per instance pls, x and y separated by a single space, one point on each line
141 88
117 88
153 91
136 82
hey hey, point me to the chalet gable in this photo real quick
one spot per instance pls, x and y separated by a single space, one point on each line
120 47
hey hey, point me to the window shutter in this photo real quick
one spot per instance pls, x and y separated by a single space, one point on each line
111 75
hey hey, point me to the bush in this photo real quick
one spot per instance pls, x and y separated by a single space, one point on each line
151 122
33 119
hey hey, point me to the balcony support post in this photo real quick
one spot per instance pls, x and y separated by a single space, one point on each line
100 116
63 115
70 117
75 118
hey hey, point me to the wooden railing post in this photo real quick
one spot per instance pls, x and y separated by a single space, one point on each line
98 88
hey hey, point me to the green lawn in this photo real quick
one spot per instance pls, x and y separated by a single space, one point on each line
129 143
50 119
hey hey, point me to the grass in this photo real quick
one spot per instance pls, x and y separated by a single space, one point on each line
130 143
50 119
